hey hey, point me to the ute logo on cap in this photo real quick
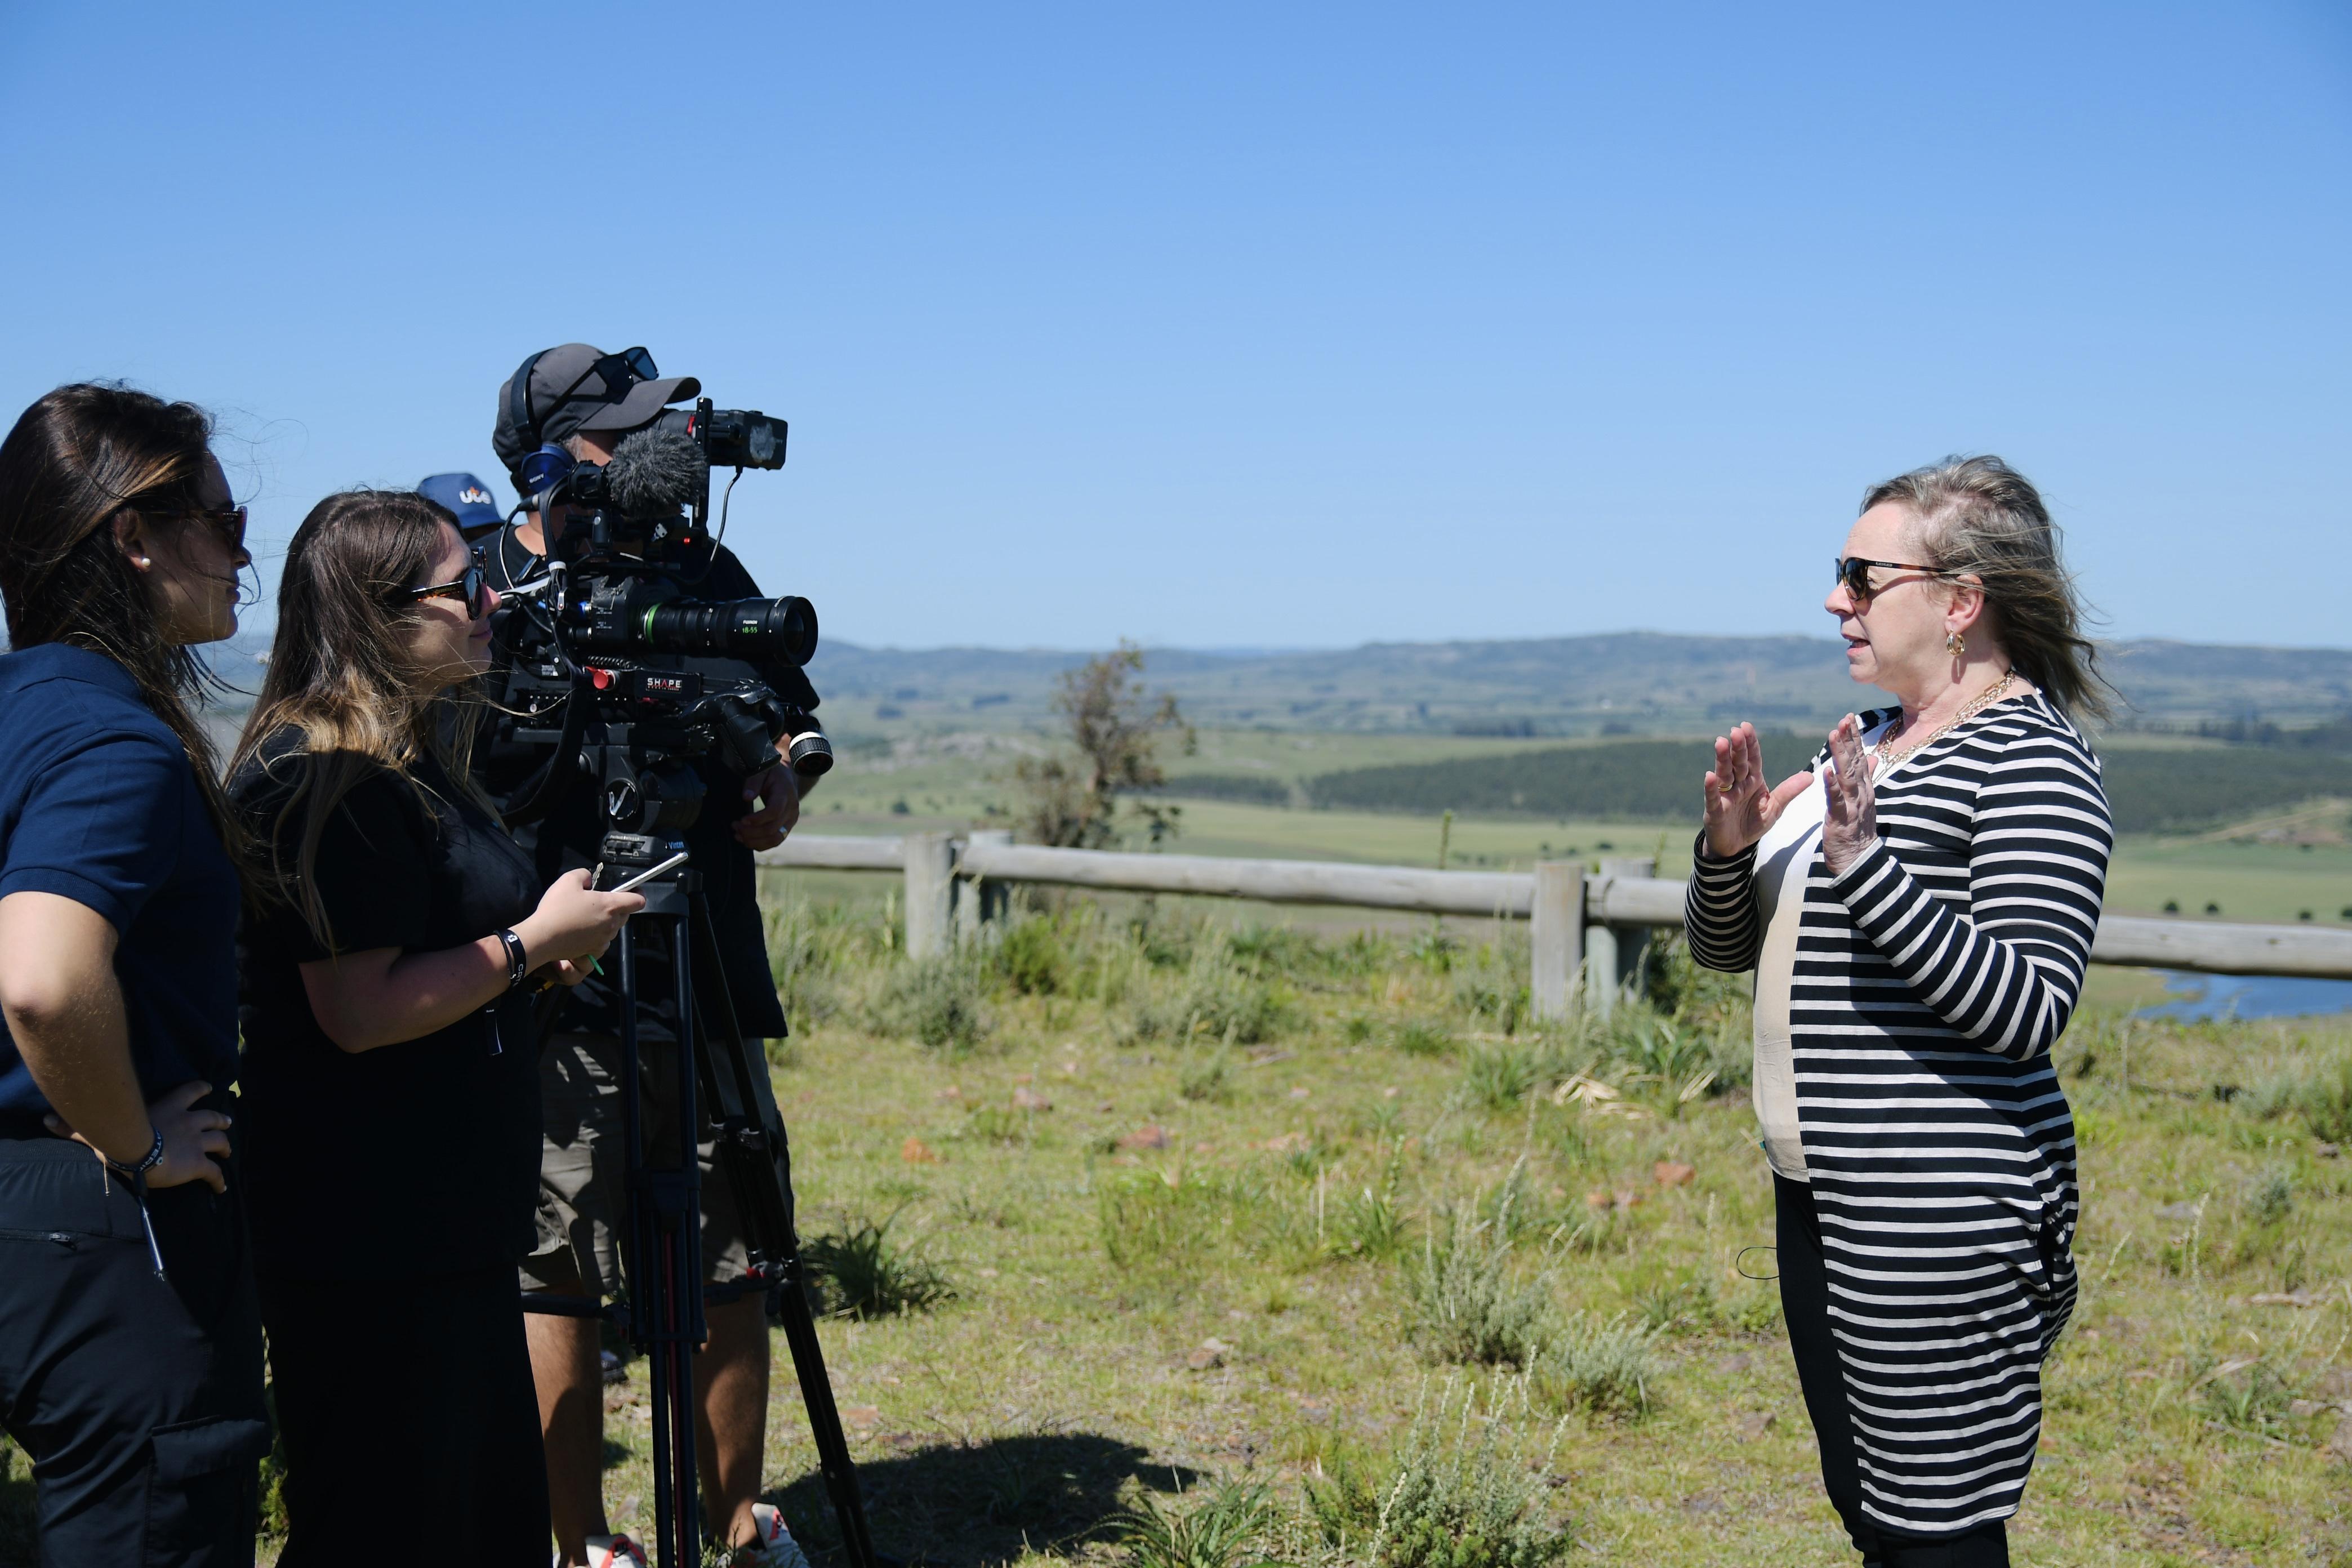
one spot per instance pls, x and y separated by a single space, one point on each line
474 495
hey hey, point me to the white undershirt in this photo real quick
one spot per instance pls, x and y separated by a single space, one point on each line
1784 860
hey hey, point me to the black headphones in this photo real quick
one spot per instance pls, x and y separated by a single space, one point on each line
520 412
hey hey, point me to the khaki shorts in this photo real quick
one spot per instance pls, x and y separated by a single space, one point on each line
583 1168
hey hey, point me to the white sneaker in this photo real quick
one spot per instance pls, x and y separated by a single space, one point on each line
773 1547
611 1551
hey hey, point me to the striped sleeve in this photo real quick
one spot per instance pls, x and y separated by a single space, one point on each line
2007 974
1720 919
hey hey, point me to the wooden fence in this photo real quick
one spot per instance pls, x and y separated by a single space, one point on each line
1587 929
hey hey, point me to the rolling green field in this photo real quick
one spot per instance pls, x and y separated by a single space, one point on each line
2273 866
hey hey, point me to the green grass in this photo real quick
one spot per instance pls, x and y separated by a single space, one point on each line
1085 1274
1153 1329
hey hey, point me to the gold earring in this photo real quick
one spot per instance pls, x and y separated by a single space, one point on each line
1957 644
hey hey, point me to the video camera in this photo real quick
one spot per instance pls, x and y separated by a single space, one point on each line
618 589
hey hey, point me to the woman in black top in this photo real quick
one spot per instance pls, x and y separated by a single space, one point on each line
130 1350
392 1112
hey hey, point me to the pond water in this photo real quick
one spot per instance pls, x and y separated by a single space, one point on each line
2198 996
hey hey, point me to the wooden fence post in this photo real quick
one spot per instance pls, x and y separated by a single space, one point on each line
979 902
1555 937
1612 954
930 893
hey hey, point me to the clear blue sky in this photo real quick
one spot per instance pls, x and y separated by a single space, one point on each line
1221 325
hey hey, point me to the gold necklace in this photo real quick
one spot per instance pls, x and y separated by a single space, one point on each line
1977 704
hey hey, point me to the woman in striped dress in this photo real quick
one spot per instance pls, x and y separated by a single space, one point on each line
1918 907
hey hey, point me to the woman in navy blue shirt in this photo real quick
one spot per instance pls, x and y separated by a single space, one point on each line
129 1344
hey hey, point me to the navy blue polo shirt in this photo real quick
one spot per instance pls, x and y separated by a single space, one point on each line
99 805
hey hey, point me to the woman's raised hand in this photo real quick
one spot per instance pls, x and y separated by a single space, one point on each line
574 922
1850 823
1740 807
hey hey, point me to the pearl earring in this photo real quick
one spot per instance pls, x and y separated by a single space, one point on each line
1957 644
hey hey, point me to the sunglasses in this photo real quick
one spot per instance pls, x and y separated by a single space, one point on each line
1853 571
617 371
228 521
473 587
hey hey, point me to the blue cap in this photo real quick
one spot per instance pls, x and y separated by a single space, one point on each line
476 509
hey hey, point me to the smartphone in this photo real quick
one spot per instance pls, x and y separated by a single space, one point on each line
672 864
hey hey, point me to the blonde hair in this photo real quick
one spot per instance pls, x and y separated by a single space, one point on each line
1981 518
340 673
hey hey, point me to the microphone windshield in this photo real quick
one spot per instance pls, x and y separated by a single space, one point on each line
656 473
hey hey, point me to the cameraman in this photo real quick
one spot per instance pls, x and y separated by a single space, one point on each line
585 402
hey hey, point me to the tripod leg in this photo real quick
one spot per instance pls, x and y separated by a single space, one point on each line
684 1256
665 1270
825 1423
648 1313
758 1157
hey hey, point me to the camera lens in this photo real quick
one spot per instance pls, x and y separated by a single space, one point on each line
745 628
811 754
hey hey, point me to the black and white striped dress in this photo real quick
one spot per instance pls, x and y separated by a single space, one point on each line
1930 982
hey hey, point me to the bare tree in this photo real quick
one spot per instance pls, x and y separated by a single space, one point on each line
1116 726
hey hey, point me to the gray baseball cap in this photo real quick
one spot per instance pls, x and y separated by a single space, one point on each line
577 387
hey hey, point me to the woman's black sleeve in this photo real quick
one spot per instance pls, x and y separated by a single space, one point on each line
370 871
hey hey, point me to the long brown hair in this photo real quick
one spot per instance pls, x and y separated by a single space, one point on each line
341 675
77 460
1979 517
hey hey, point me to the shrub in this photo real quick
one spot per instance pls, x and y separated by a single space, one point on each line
1422 1040
809 945
1680 1306
2271 1199
1462 1501
1034 958
999 1125
2253 1398
1210 1077
2320 1091
1602 1367
1676 1063
1501 1077
936 1001
1266 950
1369 1223
858 1271
1215 1000
1493 988
1222 1533
1348 1506
1469 1302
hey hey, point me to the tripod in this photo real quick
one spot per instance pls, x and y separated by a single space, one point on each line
664 1316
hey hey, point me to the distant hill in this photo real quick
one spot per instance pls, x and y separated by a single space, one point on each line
1626 683
1632 683
2148 790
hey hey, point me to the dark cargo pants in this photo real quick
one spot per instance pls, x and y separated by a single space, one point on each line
139 1399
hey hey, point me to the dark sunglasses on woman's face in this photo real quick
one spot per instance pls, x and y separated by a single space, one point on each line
471 588
1854 573
228 521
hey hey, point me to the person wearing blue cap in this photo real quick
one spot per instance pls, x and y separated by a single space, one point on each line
469 499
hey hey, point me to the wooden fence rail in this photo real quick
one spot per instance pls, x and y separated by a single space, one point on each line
1587 930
